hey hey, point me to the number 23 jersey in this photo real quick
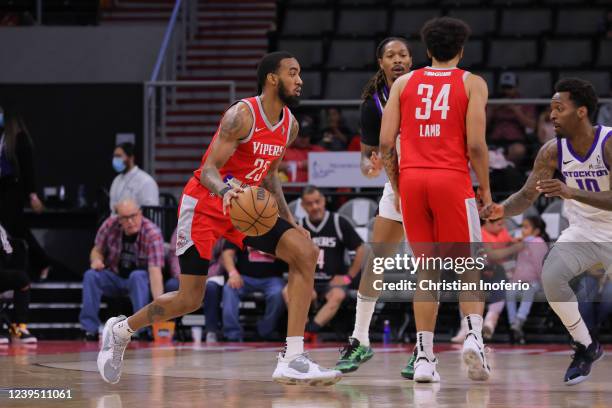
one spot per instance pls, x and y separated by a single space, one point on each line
251 160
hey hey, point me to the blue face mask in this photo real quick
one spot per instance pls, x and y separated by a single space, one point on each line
118 164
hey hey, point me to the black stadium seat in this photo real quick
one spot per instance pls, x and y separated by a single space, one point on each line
362 22
409 22
566 53
351 54
481 22
512 53
583 21
599 79
308 22
525 22
308 52
346 85
535 84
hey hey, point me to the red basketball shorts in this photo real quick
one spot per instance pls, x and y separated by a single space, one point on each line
201 221
438 206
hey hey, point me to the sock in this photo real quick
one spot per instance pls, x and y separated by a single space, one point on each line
474 323
312 327
425 344
363 317
570 316
123 330
294 346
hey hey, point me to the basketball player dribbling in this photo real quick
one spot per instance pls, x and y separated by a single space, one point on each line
582 153
246 150
394 60
440 114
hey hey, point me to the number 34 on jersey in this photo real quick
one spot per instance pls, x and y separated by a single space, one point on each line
432 108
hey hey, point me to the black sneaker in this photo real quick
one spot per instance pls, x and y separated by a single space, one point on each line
21 334
582 360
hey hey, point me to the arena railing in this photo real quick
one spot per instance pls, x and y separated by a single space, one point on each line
161 96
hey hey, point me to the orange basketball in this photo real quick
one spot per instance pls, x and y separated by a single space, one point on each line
254 212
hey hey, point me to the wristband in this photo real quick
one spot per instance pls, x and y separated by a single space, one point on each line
347 279
224 190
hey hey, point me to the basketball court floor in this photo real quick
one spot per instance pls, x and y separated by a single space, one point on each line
239 375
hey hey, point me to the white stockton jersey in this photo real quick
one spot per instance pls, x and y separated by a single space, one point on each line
590 173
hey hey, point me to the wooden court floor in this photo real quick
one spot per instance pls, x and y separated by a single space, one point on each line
239 375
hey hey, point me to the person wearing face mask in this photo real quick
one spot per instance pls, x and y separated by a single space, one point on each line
131 182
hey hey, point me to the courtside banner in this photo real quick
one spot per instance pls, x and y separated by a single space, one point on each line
339 169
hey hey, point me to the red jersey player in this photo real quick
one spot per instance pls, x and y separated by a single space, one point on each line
439 112
246 150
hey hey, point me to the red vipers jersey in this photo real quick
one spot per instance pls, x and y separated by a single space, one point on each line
432 130
251 160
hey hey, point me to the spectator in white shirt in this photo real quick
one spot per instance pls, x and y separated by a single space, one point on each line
131 182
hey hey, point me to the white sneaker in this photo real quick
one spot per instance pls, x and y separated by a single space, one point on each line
302 370
110 357
460 336
211 337
474 357
425 369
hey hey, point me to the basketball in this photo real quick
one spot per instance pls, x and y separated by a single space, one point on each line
254 212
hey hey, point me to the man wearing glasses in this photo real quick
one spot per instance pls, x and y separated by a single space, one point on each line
126 260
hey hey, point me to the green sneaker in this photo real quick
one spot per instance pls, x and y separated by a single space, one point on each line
353 355
408 371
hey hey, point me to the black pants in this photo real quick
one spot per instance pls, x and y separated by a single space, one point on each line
12 202
16 280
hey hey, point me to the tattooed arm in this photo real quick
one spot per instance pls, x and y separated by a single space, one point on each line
543 169
389 128
235 125
272 183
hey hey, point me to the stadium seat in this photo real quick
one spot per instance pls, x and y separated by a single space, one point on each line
472 55
512 53
524 22
462 2
296 209
409 22
599 79
582 21
535 84
481 22
559 2
489 78
566 53
308 22
419 54
308 52
359 210
312 84
362 22
351 54
309 2
605 53
346 85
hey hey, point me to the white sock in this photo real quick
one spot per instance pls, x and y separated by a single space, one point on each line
425 344
122 329
294 346
474 323
363 317
570 316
